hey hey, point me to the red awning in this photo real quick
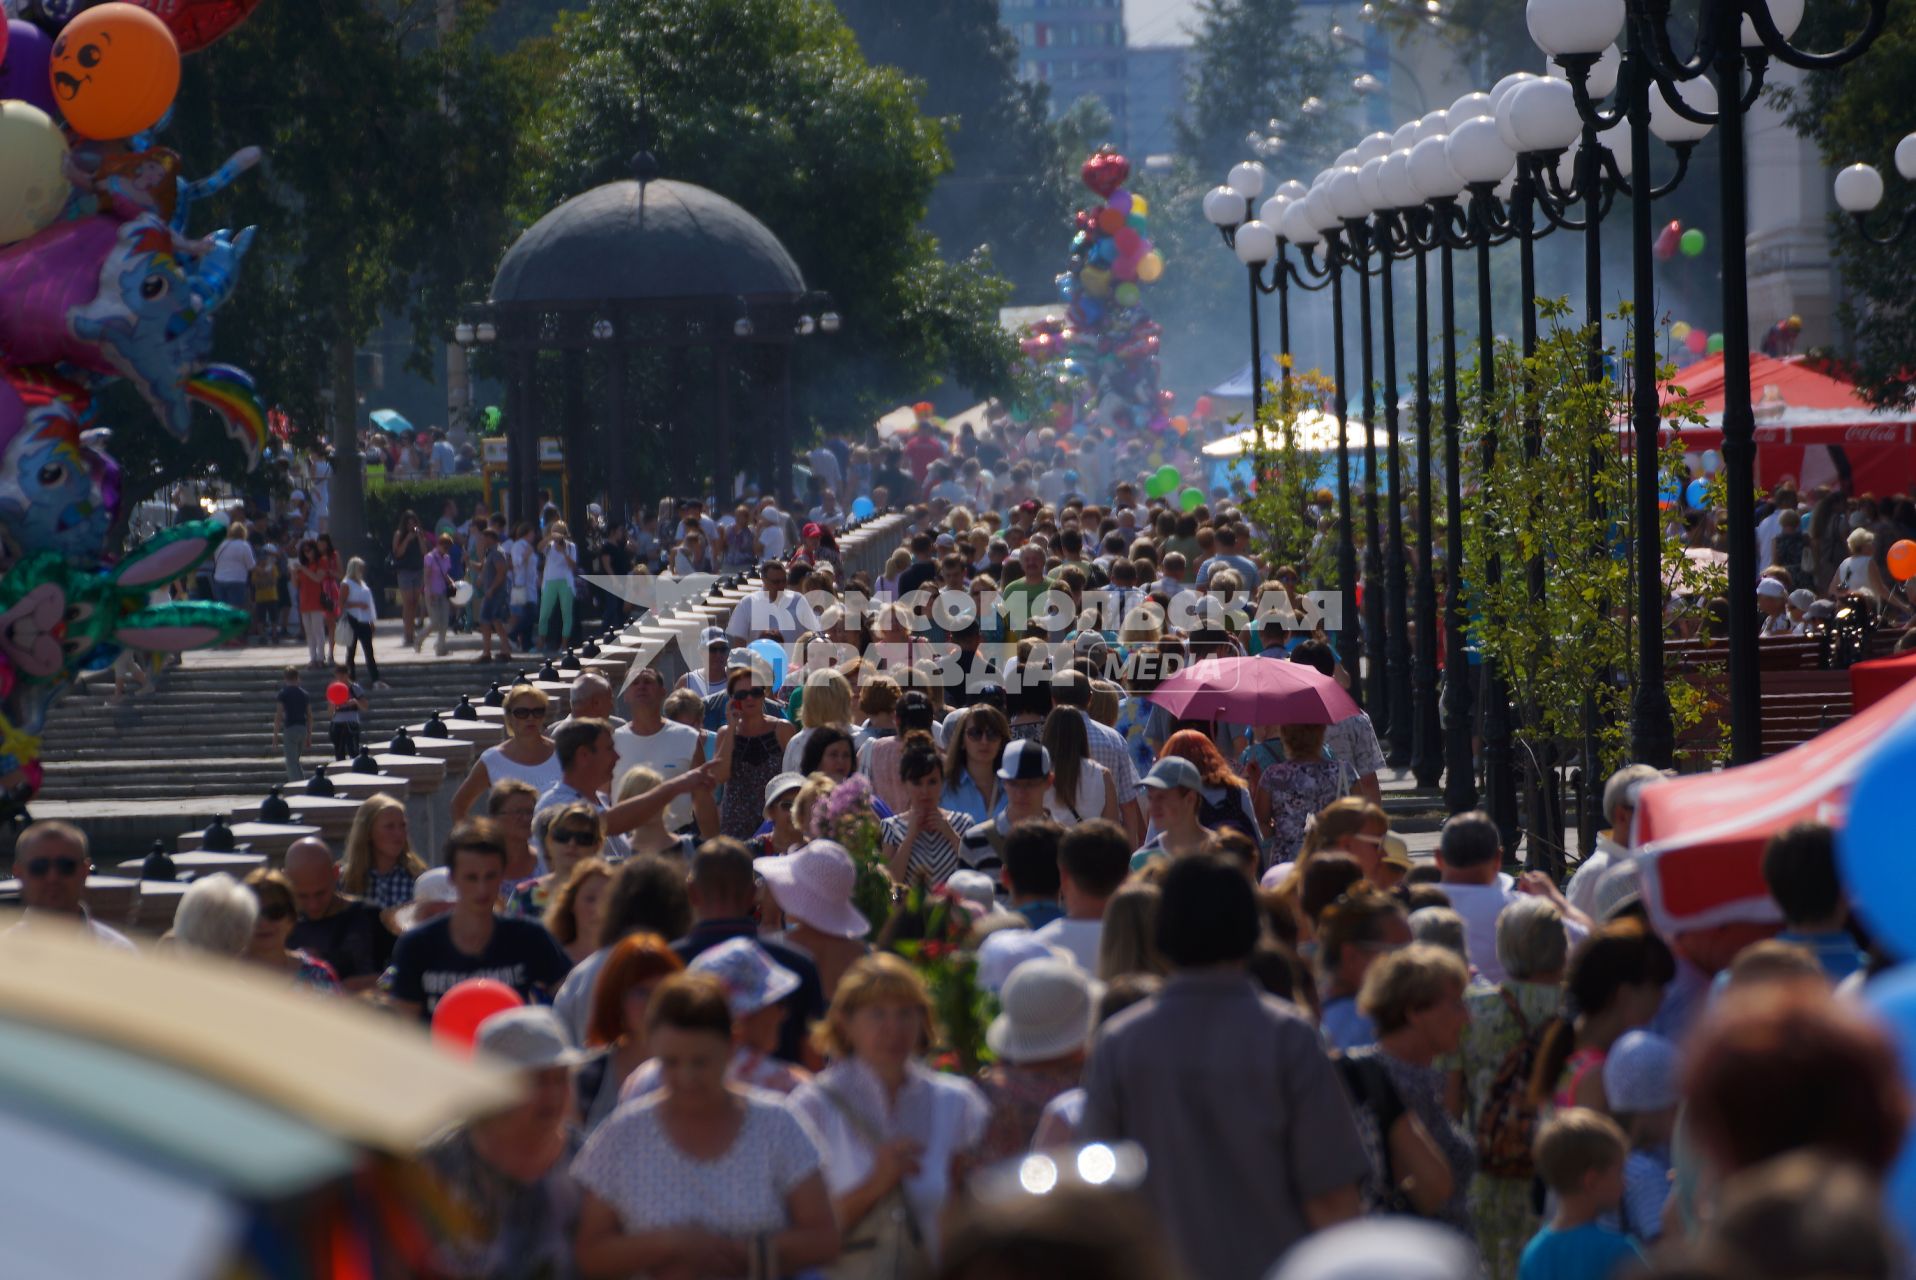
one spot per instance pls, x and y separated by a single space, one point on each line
1871 682
1701 837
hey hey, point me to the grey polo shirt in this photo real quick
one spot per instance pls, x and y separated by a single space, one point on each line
1239 1112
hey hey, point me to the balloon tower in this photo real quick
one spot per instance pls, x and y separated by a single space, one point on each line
100 281
1101 359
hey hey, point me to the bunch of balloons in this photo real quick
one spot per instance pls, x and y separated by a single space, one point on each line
1674 239
1102 358
100 281
1695 340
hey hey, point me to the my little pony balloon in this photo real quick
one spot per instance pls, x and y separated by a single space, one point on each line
112 297
56 493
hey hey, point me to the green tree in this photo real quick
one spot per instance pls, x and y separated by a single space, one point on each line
770 103
1489 36
1857 115
1252 64
377 134
1571 506
1011 184
1286 473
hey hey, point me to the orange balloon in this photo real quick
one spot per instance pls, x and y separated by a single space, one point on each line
1902 560
1110 221
114 72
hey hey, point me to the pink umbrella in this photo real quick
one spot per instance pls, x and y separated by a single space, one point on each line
1254 691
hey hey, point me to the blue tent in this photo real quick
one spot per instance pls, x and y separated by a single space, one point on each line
1238 385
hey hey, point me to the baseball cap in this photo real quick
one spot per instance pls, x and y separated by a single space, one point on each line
714 637
812 529
1173 771
1024 761
1771 589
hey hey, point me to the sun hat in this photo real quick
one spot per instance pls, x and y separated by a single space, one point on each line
1802 597
974 887
1640 1073
1381 1249
1396 852
1771 589
1024 761
1001 954
531 1038
813 884
782 784
432 889
1049 1008
753 980
1173 771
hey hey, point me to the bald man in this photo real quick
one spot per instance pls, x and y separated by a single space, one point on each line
590 699
344 931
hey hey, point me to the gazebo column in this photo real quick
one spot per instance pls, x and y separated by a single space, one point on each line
784 439
582 471
522 436
619 441
722 430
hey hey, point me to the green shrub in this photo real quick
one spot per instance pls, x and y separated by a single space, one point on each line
387 500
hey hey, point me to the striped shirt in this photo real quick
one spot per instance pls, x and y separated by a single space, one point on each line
932 855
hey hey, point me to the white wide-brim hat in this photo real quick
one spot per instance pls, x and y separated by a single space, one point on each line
813 885
1050 1006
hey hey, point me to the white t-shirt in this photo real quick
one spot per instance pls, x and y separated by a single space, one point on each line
668 752
1079 937
524 564
771 542
561 558
1480 905
359 601
1093 778
630 1163
1851 575
500 766
233 561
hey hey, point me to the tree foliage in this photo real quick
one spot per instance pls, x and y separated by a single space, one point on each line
1286 474
1572 505
1011 182
1252 64
377 134
770 103
1859 114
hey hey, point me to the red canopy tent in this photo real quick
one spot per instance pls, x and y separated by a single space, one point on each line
1871 682
1801 413
1701 837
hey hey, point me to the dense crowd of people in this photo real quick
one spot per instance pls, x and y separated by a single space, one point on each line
940 947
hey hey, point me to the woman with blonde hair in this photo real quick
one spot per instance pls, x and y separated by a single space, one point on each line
528 753
886 588
1129 940
893 1131
1860 571
380 863
1352 825
233 562
555 591
651 835
358 612
827 703
572 833
575 916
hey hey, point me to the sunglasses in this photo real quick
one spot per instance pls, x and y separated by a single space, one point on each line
525 713
275 912
572 837
750 693
981 732
66 867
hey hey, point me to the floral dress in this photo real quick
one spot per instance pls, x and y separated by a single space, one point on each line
1422 1092
755 762
1502 1211
1297 791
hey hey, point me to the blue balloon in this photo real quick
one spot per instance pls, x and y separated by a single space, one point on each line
774 654
1103 253
1696 493
1872 850
1893 999
862 508
1669 491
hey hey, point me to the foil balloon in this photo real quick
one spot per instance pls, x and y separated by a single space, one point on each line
198 23
1105 172
57 493
112 297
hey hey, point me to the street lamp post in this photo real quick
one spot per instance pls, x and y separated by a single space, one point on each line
1859 193
1734 36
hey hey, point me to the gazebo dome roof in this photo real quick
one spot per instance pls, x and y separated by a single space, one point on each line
646 242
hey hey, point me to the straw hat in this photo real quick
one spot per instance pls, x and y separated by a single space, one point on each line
1049 1006
813 885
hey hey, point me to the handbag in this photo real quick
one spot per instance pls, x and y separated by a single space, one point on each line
885 1244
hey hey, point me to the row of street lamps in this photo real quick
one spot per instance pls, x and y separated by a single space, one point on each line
1531 155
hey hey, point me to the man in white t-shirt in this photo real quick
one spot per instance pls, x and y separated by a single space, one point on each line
1469 853
649 739
771 534
1093 860
1613 846
772 608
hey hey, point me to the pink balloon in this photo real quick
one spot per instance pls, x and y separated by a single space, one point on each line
1130 243
1698 341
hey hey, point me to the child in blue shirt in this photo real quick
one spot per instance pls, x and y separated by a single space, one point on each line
1580 1155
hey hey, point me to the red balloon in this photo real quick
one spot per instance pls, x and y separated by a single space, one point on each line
338 693
198 23
1203 407
1698 341
5 34
1668 241
457 1016
1105 172
1130 243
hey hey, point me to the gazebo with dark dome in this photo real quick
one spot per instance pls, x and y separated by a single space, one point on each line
673 311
